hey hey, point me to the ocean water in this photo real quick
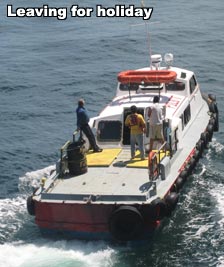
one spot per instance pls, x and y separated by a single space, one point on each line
46 65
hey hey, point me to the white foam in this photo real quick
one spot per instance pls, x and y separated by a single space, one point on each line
55 254
219 148
32 179
43 252
221 261
218 194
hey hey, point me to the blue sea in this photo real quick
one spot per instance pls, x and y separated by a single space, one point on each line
46 65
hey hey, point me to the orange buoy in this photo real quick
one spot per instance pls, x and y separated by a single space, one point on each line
146 76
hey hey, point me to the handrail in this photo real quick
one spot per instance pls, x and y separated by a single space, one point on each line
62 150
65 145
75 133
154 173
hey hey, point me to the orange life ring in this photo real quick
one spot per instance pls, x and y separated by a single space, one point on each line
152 163
147 76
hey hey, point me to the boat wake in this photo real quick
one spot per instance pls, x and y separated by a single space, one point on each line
31 180
45 253
21 244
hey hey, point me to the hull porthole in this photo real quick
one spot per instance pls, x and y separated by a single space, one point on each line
126 223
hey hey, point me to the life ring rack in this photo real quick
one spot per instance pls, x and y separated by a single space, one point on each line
146 76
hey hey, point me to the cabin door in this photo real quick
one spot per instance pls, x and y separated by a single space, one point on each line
126 130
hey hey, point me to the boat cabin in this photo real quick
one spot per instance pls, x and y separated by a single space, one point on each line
179 95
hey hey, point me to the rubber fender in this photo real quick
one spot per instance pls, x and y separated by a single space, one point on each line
179 183
216 126
197 155
183 174
204 137
188 168
210 132
171 202
200 147
30 204
192 162
126 223
159 209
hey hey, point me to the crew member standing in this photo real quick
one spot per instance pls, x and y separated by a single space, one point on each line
136 123
82 124
156 123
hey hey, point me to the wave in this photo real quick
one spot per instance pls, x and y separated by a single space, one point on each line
31 180
21 244
46 253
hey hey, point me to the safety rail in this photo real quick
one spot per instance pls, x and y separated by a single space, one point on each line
63 158
154 165
76 132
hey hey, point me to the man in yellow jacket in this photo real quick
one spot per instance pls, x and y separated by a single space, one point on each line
136 123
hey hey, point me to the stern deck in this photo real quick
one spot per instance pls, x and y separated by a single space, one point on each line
113 177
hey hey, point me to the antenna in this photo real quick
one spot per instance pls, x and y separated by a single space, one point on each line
147 35
148 43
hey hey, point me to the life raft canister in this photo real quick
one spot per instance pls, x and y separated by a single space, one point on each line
126 223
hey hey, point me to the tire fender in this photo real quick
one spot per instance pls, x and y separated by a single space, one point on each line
126 223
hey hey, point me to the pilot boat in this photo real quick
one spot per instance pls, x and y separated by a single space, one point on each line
109 195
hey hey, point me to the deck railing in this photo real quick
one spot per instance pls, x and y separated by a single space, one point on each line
154 167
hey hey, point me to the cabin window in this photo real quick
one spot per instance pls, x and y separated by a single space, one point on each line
182 121
175 86
142 86
129 87
151 86
187 115
109 131
193 84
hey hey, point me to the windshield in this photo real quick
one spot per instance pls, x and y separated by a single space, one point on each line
175 86
142 86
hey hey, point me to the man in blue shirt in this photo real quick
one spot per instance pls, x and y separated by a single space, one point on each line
82 124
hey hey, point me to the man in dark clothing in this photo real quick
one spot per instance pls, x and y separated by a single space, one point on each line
82 124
